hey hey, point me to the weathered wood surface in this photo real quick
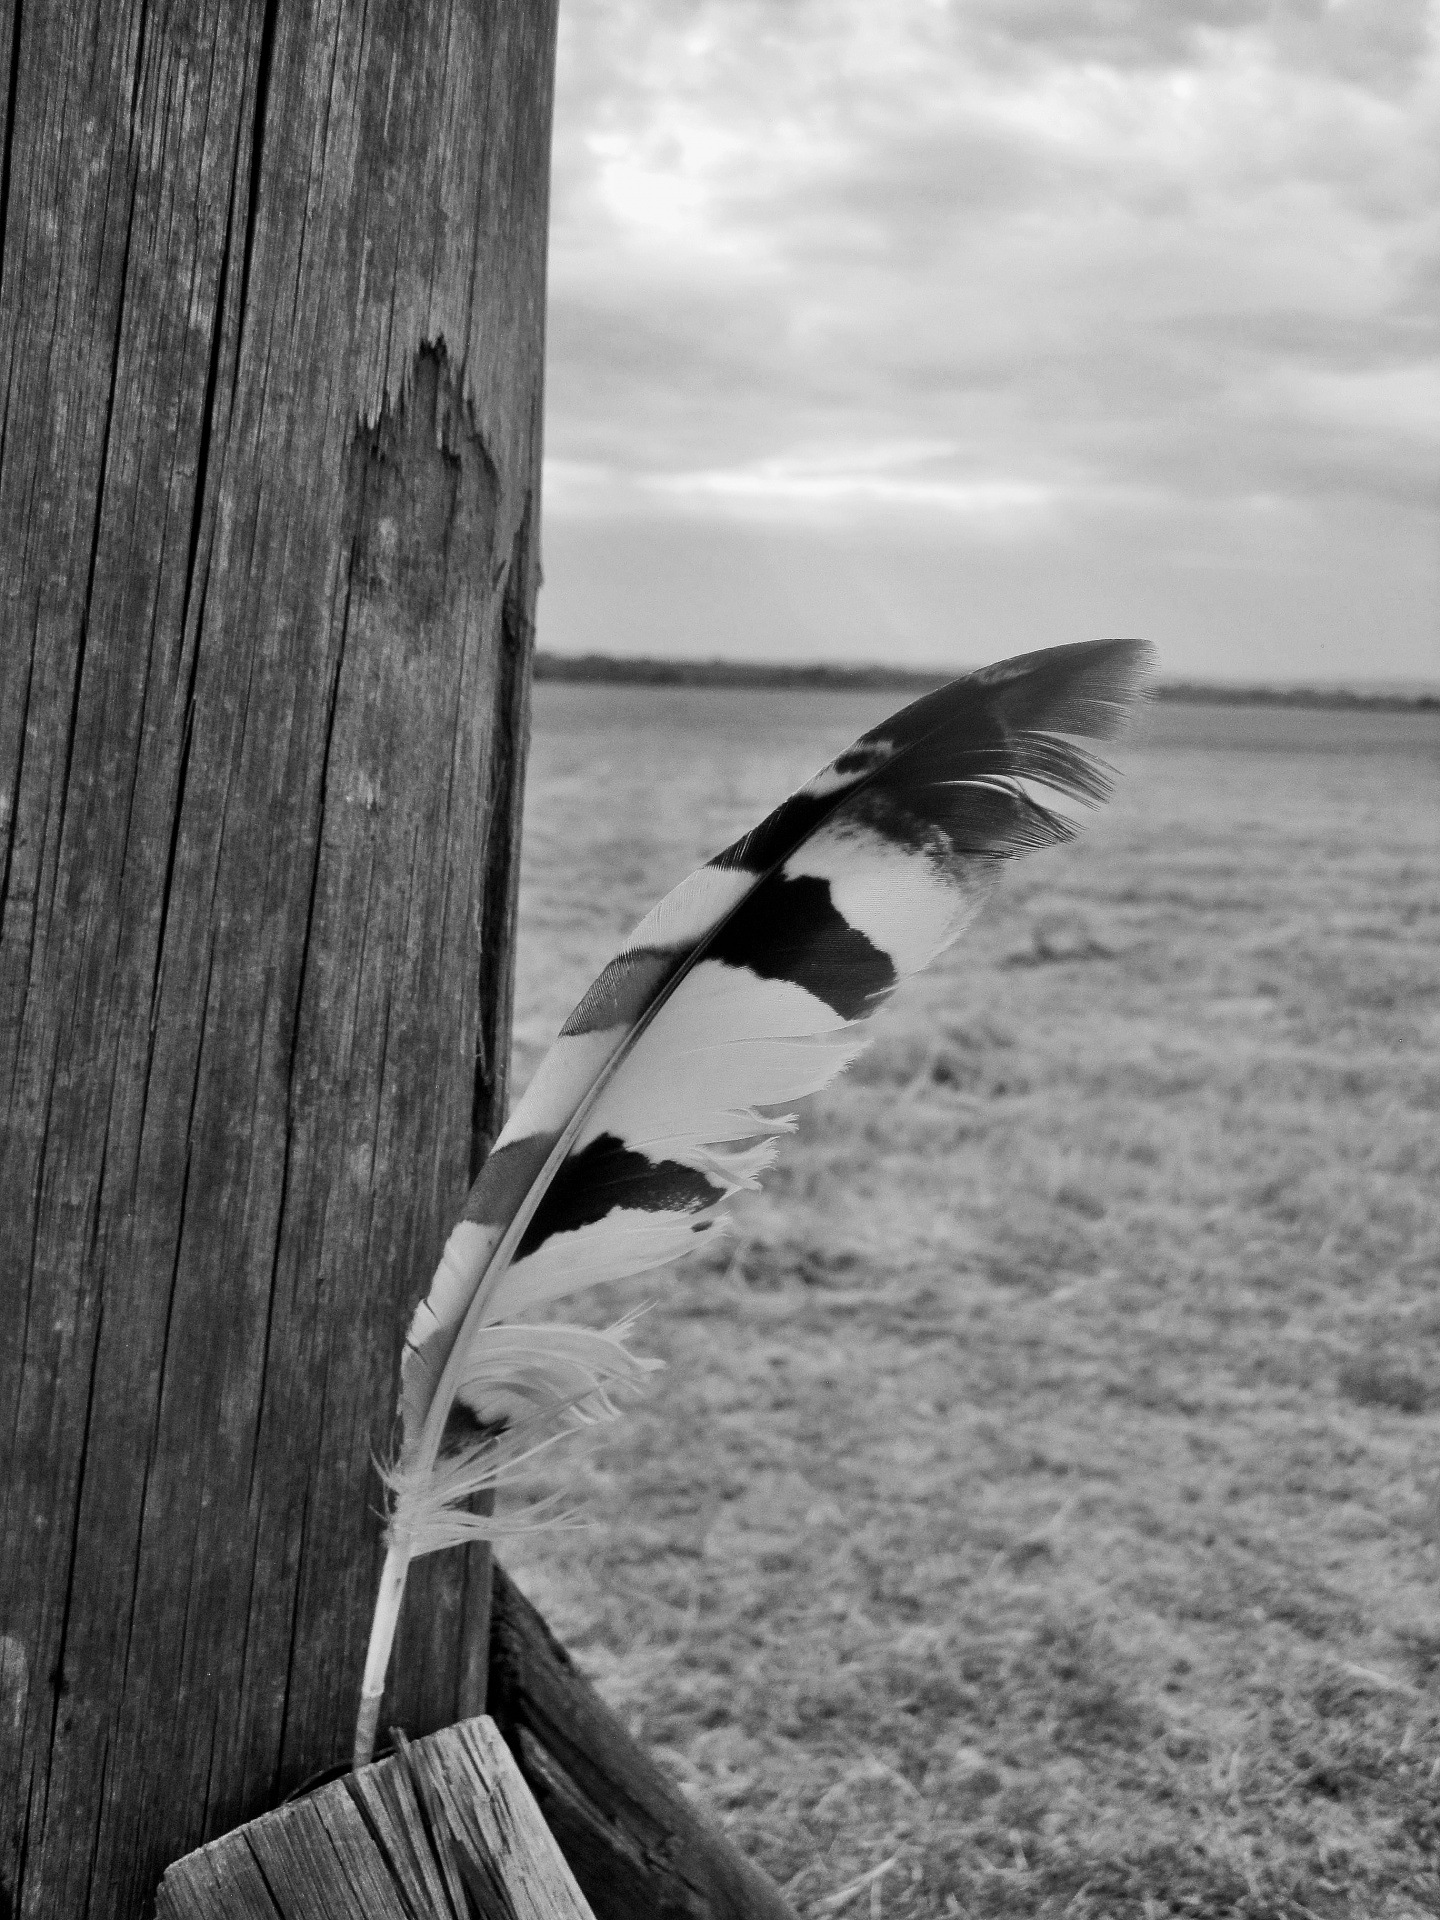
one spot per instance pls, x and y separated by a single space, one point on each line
413 1836
271 298
638 1848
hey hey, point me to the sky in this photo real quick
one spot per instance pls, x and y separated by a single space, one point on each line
927 331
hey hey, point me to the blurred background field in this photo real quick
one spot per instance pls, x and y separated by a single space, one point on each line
1040 1513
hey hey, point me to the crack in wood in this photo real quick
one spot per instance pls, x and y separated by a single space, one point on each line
6 152
97 522
207 406
263 69
502 862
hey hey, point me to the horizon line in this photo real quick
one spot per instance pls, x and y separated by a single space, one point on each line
718 671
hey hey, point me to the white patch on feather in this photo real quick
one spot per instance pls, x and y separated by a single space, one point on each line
560 1373
561 1081
904 904
440 1313
628 1240
726 1043
862 761
716 1004
689 911
456 1277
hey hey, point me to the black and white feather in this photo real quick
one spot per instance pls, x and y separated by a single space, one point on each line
745 989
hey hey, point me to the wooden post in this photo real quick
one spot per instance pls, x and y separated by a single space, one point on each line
271 309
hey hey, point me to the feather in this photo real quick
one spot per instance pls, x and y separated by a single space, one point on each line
744 989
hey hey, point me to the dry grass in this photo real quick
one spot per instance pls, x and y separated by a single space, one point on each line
1044 1494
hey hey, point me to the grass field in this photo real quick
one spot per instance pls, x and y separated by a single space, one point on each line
1040 1513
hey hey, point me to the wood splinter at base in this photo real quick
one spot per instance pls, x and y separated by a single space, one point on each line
447 1828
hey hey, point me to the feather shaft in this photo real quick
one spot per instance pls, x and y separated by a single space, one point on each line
432 1432
377 1657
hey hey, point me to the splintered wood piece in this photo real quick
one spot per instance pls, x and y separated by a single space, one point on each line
444 1830
322 1867
386 1796
501 1833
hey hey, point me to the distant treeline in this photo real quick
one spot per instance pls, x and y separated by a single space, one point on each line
607 669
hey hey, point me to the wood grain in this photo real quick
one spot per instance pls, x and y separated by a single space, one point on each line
271 305
447 1828
639 1849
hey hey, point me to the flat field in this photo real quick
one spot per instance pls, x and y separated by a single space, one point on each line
1040 1513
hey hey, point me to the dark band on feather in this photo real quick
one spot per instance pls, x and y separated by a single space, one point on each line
463 1426
779 833
973 727
791 930
1023 756
1087 688
607 1174
505 1179
958 822
623 991
864 757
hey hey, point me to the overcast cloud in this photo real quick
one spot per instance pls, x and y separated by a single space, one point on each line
898 329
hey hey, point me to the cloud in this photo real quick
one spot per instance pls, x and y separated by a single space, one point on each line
1019 267
909 478
873 478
